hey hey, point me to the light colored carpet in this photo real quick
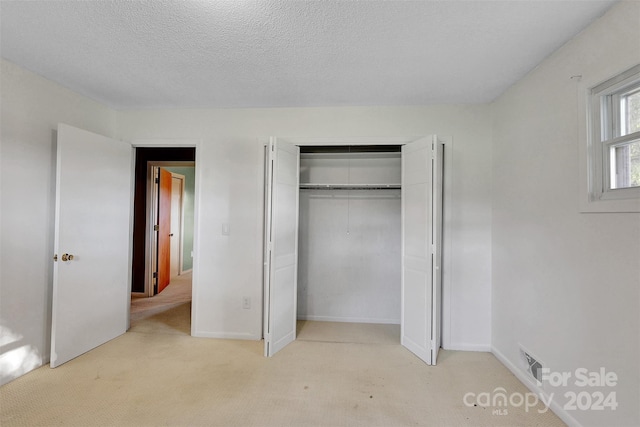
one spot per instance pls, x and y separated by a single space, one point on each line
359 333
165 377
167 312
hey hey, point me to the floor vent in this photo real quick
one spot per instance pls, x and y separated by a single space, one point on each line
532 365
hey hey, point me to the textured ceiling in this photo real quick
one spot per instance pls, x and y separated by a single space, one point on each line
158 54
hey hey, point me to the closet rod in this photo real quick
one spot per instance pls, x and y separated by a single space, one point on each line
350 186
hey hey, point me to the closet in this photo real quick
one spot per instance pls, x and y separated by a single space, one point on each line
353 234
349 234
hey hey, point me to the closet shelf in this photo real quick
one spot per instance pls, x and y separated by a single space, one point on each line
349 186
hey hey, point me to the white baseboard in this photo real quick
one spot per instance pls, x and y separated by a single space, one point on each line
349 319
519 373
227 335
460 346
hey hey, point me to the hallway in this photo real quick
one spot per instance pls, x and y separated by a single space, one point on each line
168 312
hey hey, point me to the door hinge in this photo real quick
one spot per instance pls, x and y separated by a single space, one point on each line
155 275
157 180
156 227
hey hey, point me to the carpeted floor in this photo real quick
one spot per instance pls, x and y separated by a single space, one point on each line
158 375
167 312
356 333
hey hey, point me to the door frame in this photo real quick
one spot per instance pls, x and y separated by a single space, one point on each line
176 143
447 192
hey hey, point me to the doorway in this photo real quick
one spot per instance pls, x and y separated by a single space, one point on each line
170 220
177 215
349 245
163 237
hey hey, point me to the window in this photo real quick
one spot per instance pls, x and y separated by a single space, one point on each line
615 138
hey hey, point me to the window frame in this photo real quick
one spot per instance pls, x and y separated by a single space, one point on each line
604 134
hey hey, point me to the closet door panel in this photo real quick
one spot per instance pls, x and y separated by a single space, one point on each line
416 242
416 331
281 255
417 291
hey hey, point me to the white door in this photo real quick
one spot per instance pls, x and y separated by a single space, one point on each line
281 252
91 277
418 241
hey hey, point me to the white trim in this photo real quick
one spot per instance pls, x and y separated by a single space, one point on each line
266 247
366 140
226 335
524 379
594 195
350 319
166 142
447 243
132 191
195 277
262 216
461 346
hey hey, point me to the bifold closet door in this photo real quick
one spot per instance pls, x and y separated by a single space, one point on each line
420 292
281 252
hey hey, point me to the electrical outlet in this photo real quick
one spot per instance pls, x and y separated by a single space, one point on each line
246 303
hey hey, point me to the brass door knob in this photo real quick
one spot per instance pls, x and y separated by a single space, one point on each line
67 257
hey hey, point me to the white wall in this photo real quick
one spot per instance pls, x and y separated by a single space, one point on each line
229 167
566 285
31 109
349 256
349 241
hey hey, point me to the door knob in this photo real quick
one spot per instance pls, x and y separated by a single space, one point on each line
67 257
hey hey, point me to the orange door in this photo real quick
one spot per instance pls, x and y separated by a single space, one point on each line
164 230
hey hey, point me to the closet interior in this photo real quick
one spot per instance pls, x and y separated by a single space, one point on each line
349 239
